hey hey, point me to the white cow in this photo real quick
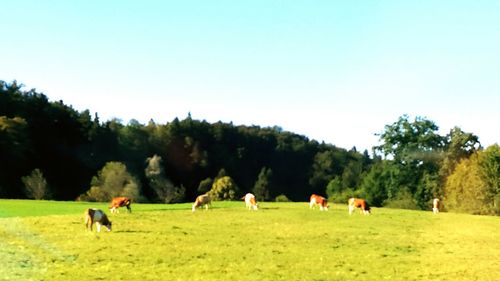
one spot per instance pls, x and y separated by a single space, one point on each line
435 205
250 201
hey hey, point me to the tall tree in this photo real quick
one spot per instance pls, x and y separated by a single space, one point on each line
15 153
465 189
113 180
165 190
262 185
411 142
459 145
489 162
416 148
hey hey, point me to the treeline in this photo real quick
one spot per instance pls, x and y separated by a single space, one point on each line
49 150
70 149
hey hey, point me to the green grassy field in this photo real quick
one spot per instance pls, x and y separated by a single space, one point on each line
46 240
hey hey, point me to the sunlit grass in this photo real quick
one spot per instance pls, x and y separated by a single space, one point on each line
282 241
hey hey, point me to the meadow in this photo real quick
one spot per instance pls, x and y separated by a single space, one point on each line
46 240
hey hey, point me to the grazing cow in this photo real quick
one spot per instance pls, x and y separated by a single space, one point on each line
118 202
250 201
359 203
98 217
320 201
202 200
435 205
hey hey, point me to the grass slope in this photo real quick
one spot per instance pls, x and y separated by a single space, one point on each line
282 241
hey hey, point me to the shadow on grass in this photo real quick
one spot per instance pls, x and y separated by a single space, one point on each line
132 231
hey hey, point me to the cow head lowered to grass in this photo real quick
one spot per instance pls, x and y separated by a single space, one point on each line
98 217
250 201
118 202
359 203
202 200
320 201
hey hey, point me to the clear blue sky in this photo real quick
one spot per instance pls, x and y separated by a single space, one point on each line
335 71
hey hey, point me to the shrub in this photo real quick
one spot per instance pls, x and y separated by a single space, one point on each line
223 188
343 196
113 180
35 185
402 200
282 198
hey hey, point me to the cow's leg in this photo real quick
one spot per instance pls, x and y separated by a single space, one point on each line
87 219
98 227
351 209
129 209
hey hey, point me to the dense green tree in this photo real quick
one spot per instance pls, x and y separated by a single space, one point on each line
113 180
473 185
205 185
262 185
324 169
465 190
489 162
14 154
224 189
336 192
411 142
458 145
378 183
54 138
416 150
352 174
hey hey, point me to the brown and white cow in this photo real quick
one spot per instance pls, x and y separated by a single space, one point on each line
435 205
202 200
118 202
320 201
250 201
98 217
359 203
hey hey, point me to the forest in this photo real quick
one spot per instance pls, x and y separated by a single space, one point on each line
48 150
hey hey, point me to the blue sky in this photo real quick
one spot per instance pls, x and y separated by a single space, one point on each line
335 71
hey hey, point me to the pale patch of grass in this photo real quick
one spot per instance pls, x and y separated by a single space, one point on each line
282 241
